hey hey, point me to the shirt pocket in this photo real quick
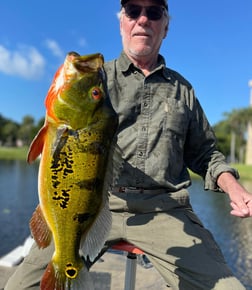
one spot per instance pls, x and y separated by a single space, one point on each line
175 120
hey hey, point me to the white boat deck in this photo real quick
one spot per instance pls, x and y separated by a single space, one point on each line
16 255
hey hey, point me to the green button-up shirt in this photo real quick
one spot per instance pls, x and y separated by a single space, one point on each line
162 128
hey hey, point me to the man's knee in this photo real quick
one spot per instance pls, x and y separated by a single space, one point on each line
230 283
30 271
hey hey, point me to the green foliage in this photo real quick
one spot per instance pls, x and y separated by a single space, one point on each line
222 132
245 171
236 124
13 153
11 132
8 131
26 130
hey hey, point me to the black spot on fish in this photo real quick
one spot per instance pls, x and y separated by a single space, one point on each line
81 217
97 148
66 172
62 165
55 184
62 198
90 184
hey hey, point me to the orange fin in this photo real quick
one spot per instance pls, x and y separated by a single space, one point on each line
37 144
57 280
39 228
49 281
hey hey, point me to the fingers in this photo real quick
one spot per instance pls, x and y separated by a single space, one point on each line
240 210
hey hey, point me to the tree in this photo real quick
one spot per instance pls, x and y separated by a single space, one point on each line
222 132
235 128
9 133
26 130
39 125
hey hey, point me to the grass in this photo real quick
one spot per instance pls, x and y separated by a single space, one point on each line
245 171
13 153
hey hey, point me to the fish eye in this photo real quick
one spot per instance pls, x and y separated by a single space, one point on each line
96 93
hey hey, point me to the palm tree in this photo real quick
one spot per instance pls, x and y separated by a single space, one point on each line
239 121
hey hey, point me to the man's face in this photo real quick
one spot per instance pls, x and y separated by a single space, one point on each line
141 36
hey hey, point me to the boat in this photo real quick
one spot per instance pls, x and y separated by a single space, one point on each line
16 256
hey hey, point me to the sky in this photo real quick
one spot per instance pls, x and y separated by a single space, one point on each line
209 43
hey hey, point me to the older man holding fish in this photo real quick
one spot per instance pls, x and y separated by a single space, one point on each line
162 131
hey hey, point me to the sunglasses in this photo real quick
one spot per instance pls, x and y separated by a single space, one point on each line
152 12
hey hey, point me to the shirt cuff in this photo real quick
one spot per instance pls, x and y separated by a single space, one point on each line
212 176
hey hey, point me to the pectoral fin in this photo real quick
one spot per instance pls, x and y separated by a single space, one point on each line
93 242
37 144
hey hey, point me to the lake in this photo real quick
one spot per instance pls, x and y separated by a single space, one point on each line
18 199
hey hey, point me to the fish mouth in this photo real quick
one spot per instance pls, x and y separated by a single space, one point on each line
87 63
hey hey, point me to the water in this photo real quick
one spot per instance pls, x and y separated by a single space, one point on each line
233 234
18 198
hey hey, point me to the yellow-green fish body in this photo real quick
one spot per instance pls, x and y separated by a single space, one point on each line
75 143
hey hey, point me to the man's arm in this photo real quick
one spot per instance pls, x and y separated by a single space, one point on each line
241 199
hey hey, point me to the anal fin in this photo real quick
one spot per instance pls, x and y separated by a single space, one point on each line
39 228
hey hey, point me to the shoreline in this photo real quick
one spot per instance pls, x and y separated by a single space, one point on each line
20 153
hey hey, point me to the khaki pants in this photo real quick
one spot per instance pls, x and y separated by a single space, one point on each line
164 226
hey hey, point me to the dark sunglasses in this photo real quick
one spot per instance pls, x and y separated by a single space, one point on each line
152 12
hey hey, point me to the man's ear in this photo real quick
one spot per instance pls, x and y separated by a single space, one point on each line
166 30
167 27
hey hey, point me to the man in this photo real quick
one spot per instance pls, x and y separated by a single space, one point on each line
162 131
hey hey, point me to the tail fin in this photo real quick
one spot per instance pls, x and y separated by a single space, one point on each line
55 280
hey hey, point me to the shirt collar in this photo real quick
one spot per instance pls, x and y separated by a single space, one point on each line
125 65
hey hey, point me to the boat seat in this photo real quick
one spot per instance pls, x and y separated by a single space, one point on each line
131 262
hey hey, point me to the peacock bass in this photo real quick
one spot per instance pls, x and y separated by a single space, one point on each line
74 144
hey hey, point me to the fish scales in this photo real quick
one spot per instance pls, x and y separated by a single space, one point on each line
75 143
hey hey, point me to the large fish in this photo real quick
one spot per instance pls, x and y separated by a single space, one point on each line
74 143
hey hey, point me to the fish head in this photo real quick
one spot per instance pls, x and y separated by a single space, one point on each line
78 90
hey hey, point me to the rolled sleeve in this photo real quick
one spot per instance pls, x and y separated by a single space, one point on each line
213 173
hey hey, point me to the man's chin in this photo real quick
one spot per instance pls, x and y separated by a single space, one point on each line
141 51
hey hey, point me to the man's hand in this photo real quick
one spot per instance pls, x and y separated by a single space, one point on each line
240 198
241 203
